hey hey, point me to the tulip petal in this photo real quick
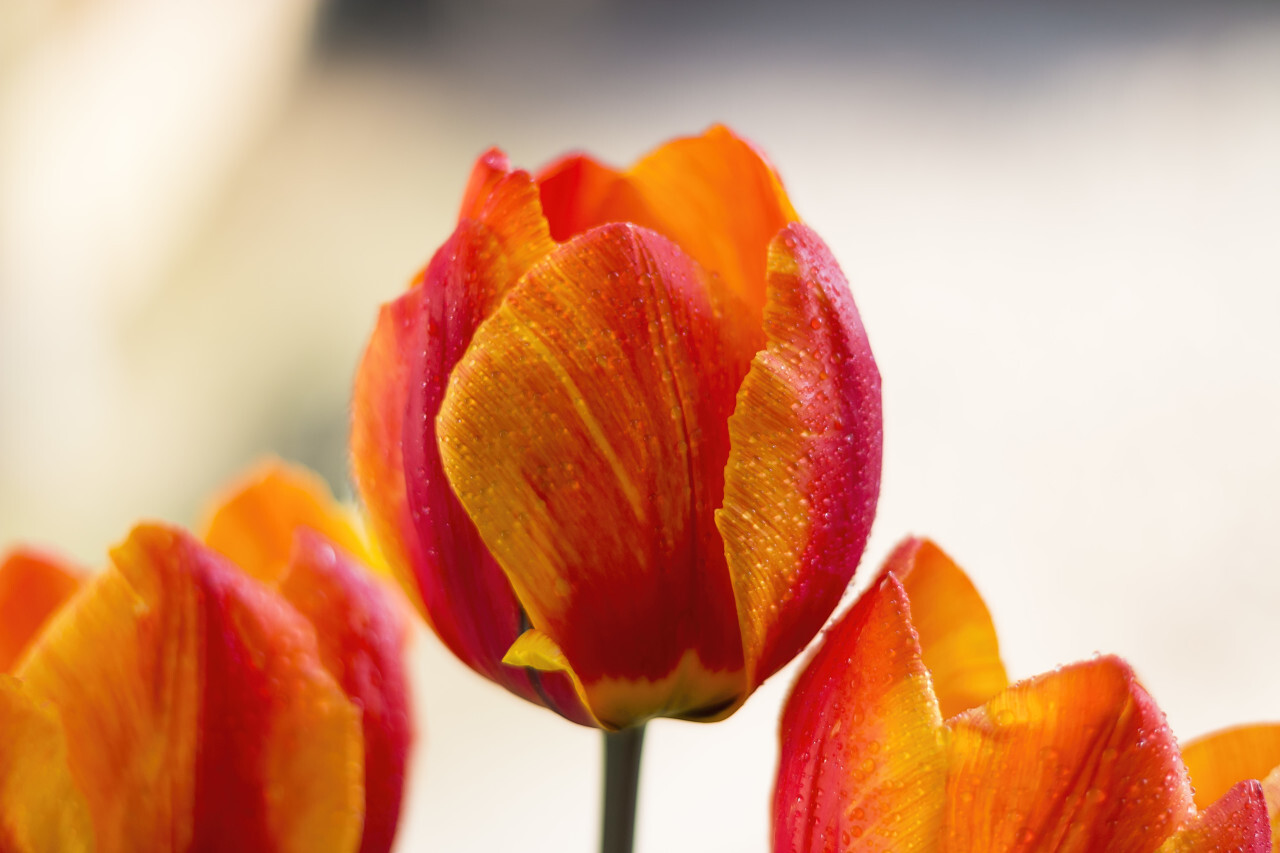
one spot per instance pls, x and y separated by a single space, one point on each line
196 708
40 807
378 403
863 757
1218 761
424 532
32 588
490 169
362 638
254 523
585 433
1237 823
718 198
714 195
804 472
579 193
1079 759
959 641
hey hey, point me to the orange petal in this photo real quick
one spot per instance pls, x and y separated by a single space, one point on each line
489 170
32 588
1079 759
362 637
196 708
1217 761
804 472
254 523
956 632
585 432
863 760
1236 823
720 200
579 193
715 195
41 809
425 533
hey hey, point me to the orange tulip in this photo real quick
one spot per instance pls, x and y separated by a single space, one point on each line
1079 759
621 438
177 701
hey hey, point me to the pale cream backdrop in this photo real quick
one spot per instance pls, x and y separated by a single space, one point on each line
1062 227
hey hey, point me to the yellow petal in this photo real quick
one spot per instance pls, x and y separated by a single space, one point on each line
41 810
535 649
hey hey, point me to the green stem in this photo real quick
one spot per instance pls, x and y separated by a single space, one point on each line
621 785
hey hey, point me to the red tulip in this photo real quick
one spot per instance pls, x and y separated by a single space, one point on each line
181 702
1079 759
621 438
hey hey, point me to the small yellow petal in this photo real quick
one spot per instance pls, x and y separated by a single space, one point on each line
535 649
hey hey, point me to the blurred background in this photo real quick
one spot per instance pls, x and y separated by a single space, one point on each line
1061 224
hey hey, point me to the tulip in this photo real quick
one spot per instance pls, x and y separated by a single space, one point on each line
1079 759
178 701
621 438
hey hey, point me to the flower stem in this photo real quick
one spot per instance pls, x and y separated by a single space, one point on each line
621 785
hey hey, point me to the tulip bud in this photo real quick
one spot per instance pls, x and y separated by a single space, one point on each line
621 438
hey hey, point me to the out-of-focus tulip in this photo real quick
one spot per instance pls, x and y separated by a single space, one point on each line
621 438
1079 759
178 701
